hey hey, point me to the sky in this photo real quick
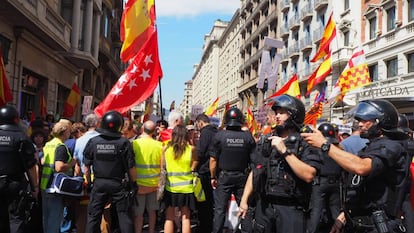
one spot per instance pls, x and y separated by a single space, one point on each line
182 25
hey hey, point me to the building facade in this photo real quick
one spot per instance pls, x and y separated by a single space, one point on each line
187 103
50 44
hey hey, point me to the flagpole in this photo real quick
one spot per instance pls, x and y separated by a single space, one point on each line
159 86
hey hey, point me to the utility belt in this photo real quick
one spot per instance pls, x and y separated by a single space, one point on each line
326 179
377 220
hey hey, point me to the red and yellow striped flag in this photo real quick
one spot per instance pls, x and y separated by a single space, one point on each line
212 109
72 101
137 26
5 92
320 74
328 35
251 122
291 88
314 113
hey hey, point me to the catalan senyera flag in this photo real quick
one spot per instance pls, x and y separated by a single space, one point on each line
72 101
212 109
313 114
325 42
251 122
355 74
291 88
43 105
137 83
5 92
319 75
137 26
412 184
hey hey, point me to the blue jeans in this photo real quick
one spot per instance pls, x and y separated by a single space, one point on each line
52 205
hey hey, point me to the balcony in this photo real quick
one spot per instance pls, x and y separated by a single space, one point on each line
284 30
317 34
284 58
42 20
393 38
294 50
284 5
306 43
320 4
294 22
306 13
341 56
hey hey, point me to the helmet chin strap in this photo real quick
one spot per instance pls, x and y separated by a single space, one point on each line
289 124
373 132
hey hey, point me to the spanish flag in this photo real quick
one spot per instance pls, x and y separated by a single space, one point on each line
325 42
291 88
212 109
320 74
137 26
5 92
72 101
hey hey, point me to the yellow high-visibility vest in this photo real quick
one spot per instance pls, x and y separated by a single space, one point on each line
49 152
147 161
179 175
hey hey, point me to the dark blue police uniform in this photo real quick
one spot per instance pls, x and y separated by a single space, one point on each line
373 196
108 156
12 181
232 150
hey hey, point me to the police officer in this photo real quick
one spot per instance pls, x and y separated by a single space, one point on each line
230 158
408 144
16 158
283 175
113 163
375 173
326 185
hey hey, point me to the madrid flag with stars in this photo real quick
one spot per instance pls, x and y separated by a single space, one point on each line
137 83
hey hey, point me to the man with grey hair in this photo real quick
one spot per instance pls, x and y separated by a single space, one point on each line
174 118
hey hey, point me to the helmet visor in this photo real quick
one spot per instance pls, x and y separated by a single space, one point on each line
365 111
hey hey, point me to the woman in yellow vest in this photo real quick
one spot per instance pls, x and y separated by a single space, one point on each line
180 160
56 159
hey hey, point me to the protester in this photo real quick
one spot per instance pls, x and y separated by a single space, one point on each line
147 152
180 160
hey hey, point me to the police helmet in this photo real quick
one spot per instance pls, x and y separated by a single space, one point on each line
384 114
111 124
329 132
9 115
233 118
403 123
291 104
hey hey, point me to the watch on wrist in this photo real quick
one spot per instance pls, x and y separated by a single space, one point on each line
287 152
325 146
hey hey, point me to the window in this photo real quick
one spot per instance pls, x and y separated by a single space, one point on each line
307 64
410 58
410 10
346 4
346 38
284 74
373 72
66 8
372 27
392 68
391 18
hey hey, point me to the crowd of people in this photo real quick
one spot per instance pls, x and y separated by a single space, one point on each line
288 178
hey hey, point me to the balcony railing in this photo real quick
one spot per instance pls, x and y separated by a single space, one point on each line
306 12
306 43
317 34
284 30
319 4
294 22
284 5
294 50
